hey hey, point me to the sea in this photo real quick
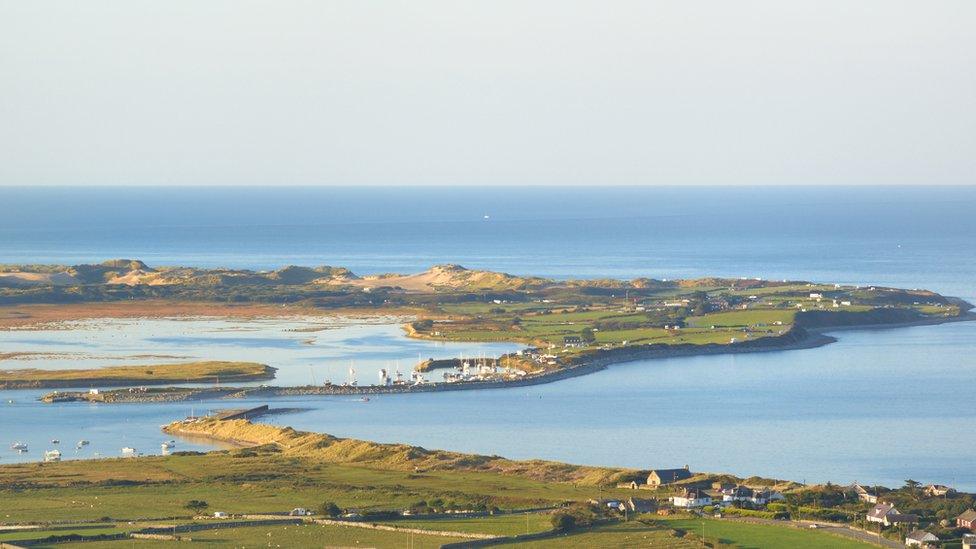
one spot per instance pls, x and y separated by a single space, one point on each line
877 406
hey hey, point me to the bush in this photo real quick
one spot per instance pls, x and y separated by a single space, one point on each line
563 521
196 505
329 509
750 513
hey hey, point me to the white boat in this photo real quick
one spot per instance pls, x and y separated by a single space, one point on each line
169 444
55 441
52 455
128 452
82 442
19 446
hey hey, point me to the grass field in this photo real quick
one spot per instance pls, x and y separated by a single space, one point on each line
628 534
156 373
502 525
308 535
751 317
761 536
677 533
158 487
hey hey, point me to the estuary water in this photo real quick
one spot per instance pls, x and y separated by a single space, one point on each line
878 406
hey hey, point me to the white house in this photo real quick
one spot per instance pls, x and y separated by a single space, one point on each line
762 497
865 494
938 490
920 538
887 514
690 498
738 493
881 511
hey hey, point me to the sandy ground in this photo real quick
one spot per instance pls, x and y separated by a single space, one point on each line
24 316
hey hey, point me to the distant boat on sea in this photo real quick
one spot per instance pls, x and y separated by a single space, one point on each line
52 455
19 446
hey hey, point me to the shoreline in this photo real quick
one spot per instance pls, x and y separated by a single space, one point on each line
798 339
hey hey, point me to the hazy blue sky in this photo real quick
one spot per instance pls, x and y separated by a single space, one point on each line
508 92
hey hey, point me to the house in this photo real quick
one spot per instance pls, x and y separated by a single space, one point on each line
762 497
299 512
967 520
881 512
938 490
969 541
690 498
739 493
900 518
865 494
572 341
887 514
640 505
921 538
657 477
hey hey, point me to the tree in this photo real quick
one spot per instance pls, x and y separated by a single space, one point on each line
587 335
563 521
196 505
912 487
329 509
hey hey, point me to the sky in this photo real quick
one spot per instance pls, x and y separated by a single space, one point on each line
499 92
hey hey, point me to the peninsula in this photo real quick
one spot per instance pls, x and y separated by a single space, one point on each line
568 327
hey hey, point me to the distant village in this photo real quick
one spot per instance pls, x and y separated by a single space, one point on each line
928 516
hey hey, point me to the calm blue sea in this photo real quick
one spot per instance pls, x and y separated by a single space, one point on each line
878 406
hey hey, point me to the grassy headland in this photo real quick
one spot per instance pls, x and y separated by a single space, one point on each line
188 372
279 469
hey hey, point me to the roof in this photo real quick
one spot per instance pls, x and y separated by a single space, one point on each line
739 491
671 474
882 509
968 514
898 517
921 535
639 504
693 493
